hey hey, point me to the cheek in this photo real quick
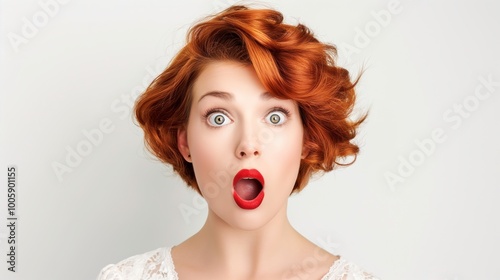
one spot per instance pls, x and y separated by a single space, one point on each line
205 143
284 156
210 152
290 156
287 147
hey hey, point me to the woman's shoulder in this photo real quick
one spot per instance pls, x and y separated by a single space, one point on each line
149 265
344 269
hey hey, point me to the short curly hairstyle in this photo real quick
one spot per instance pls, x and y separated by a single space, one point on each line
291 64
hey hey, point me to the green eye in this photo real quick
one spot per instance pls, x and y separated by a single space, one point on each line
276 118
218 119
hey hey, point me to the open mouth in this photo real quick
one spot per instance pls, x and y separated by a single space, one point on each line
248 188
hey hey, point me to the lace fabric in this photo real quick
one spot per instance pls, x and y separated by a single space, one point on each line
344 270
158 265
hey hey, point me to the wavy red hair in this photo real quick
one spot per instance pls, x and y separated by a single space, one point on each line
291 64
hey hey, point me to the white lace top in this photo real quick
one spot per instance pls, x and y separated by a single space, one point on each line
158 265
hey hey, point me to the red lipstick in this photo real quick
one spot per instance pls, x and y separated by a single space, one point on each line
248 188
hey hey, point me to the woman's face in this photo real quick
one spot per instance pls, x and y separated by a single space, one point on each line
237 129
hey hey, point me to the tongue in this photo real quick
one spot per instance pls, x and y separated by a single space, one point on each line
247 189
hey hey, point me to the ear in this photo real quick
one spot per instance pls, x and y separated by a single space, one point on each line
305 152
182 144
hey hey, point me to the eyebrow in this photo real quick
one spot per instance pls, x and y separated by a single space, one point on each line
228 96
219 94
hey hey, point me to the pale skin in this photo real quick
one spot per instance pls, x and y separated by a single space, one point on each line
234 124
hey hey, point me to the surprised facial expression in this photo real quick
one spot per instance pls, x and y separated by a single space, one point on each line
245 145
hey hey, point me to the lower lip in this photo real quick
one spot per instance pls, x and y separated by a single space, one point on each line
249 204
253 203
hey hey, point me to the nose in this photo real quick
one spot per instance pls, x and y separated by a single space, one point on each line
244 152
248 146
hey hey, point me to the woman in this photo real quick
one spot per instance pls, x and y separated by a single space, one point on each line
245 113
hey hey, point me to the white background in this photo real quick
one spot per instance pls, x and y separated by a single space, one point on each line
80 64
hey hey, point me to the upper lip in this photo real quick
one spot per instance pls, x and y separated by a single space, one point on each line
249 174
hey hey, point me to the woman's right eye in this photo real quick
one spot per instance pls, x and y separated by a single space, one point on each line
218 119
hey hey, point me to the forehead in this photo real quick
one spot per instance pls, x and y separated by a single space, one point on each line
227 76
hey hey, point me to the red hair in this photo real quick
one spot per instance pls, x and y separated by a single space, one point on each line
291 64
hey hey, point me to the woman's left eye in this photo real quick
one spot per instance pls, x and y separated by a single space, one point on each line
276 117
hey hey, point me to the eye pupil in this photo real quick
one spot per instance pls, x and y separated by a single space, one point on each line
275 118
219 119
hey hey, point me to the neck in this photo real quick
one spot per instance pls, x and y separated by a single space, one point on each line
246 250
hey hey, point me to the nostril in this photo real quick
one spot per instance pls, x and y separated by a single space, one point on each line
244 153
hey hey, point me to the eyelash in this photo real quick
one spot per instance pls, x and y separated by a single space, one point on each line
216 110
213 110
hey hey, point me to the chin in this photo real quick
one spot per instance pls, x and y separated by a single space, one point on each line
250 220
